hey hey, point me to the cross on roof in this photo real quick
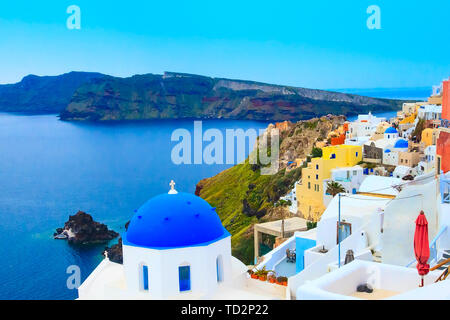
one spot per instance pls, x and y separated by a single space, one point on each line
172 188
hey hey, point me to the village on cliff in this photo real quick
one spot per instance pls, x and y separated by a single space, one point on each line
369 219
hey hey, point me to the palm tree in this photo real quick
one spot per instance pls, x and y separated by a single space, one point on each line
334 188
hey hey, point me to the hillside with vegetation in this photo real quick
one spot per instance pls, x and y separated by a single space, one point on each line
243 196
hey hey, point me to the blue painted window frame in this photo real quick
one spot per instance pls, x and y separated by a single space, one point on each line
184 276
145 286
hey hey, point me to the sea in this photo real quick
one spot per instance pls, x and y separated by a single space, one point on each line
50 169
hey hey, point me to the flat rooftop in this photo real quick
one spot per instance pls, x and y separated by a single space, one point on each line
290 226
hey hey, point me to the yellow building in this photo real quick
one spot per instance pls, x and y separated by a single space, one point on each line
310 192
429 136
409 119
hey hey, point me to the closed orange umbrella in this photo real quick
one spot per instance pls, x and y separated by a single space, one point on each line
421 245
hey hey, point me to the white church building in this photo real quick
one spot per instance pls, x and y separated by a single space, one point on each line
175 247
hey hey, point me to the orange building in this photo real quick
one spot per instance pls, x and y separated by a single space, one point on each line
345 127
283 126
443 141
446 100
343 134
338 140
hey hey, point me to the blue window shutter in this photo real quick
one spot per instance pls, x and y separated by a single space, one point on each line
145 277
185 278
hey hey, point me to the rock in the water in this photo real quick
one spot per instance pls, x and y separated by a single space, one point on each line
115 253
82 229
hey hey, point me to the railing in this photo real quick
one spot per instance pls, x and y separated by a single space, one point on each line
433 247
446 272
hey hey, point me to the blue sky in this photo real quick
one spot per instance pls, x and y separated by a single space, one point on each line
316 44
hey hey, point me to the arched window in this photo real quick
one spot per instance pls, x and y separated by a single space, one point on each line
219 268
184 275
143 277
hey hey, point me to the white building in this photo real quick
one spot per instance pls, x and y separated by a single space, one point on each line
377 224
349 177
292 197
430 112
408 132
387 281
356 141
175 248
427 165
390 157
365 125
402 171
390 137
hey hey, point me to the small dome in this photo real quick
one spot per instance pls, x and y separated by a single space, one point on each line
387 151
401 144
174 221
391 130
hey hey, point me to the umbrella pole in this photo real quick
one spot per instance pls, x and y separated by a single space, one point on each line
421 282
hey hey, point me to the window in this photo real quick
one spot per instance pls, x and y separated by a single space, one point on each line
219 269
317 177
184 278
357 154
344 230
143 277
333 156
309 185
317 167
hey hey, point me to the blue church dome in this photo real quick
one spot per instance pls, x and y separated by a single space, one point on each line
387 151
174 221
391 130
401 144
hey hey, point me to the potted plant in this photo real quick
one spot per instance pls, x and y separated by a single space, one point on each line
282 281
262 273
252 274
272 278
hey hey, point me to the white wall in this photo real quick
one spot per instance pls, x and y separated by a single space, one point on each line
163 268
275 256
327 229
320 266
400 216
341 283
390 158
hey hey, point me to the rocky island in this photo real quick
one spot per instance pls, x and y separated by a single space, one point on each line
188 96
115 252
82 229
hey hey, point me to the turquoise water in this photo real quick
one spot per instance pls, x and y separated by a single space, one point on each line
50 169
